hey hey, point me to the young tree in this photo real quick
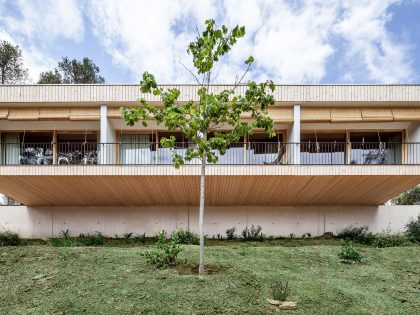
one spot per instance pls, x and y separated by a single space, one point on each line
196 119
73 72
12 70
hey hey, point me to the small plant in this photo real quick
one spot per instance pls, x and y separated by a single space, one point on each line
64 240
280 290
253 234
307 235
95 239
165 252
412 229
9 238
127 235
140 238
292 235
390 240
186 237
230 233
359 235
349 254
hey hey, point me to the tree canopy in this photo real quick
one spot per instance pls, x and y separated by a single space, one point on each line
72 72
409 197
12 70
214 111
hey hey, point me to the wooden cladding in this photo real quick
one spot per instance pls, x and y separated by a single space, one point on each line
129 93
34 114
278 114
347 114
226 185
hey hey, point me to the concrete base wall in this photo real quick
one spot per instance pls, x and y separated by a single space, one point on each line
38 222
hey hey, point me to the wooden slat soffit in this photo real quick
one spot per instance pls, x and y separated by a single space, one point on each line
33 114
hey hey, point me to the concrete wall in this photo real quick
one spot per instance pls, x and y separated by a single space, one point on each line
37 222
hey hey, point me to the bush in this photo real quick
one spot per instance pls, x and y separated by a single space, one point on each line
165 252
230 233
95 239
412 229
9 238
140 238
63 241
390 240
349 254
409 197
253 234
359 235
186 237
280 290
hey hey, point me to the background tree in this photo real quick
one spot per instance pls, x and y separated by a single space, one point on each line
50 77
73 72
196 119
12 70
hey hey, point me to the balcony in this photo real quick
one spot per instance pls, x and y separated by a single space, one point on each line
252 153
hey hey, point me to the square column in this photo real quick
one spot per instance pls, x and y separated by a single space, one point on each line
293 137
107 146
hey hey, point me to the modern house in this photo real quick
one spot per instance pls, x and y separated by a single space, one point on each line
68 161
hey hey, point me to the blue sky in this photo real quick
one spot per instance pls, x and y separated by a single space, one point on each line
313 41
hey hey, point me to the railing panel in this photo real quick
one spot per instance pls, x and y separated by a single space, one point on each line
251 153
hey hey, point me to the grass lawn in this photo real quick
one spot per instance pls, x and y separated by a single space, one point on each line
39 279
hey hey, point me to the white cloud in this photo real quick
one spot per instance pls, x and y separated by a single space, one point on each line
292 41
148 36
36 25
372 53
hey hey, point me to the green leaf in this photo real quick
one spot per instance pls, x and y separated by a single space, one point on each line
249 60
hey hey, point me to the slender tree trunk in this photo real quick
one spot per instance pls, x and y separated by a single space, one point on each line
201 214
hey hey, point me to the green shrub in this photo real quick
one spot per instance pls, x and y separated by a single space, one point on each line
412 229
95 239
9 238
409 197
140 238
165 251
64 240
186 237
349 253
390 240
230 233
253 234
359 235
280 290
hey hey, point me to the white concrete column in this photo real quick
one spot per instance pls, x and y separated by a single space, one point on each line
107 138
294 137
413 143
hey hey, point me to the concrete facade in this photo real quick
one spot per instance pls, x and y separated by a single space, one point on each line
40 222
